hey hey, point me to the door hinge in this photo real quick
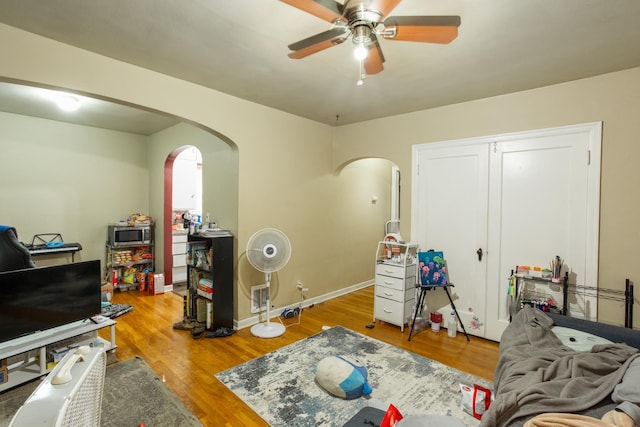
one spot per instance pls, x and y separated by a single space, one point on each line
588 157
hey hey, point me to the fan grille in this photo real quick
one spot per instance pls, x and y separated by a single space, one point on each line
268 250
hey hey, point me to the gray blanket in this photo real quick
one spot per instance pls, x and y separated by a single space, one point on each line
537 374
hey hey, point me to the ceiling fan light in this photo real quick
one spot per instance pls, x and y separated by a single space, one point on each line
361 34
67 102
360 52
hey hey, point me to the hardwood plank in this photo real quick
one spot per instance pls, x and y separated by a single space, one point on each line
188 365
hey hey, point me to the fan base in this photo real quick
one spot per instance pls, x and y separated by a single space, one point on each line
268 330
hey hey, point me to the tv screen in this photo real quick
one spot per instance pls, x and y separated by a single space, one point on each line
40 298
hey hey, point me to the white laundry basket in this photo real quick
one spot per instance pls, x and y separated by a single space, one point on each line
77 401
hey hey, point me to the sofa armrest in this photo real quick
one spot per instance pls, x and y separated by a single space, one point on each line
617 334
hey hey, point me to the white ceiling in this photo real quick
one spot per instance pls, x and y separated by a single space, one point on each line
240 47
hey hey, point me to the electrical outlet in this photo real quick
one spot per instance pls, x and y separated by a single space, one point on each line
300 285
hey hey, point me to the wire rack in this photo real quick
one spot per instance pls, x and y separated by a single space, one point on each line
625 296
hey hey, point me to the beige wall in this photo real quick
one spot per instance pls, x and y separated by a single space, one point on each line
286 177
613 99
63 178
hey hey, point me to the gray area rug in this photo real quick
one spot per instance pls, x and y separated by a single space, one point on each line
281 388
133 394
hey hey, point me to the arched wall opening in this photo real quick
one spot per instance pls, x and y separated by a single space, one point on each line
182 198
105 174
383 187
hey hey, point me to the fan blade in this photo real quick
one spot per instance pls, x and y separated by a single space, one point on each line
383 6
318 42
425 29
328 10
375 58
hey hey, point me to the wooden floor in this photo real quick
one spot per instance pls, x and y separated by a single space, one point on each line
189 365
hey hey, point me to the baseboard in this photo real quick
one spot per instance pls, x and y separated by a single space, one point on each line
276 311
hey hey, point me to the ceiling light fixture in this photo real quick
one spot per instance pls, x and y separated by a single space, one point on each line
361 52
361 34
361 38
66 102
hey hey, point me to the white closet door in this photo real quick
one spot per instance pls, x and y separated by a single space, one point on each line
522 198
541 205
451 202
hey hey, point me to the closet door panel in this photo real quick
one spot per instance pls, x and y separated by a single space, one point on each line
452 200
539 197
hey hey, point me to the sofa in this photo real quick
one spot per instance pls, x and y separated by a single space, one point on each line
549 363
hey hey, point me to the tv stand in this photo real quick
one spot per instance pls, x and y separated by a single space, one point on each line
83 332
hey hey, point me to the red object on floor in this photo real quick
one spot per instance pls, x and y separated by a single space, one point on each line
391 417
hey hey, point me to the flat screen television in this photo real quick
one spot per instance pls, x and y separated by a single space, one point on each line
36 299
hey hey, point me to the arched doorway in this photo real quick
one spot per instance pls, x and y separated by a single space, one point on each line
183 195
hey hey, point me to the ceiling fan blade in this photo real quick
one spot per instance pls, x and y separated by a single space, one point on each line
318 42
328 10
375 58
425 29
383 6
320 37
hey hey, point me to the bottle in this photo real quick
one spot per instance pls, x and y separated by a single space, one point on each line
452 326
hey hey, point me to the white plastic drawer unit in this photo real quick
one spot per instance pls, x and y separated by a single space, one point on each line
179 274
392 294
393 311
397 283
179 244
178 248
179 251
180 260
396 270
179 238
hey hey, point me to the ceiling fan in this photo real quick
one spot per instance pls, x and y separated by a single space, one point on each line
364 21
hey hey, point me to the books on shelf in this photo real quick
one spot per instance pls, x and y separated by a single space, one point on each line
205 288
209 314
198 255
205 312
199 302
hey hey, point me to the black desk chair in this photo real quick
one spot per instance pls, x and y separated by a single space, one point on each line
13 254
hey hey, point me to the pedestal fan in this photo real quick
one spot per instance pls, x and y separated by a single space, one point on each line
268 250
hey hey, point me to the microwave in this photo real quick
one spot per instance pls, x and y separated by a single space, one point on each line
123 235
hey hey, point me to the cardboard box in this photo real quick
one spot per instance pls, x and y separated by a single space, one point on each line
3 364
158 284
106 291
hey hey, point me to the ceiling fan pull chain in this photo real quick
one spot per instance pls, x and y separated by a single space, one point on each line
361 73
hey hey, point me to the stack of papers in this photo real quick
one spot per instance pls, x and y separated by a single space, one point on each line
214 232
